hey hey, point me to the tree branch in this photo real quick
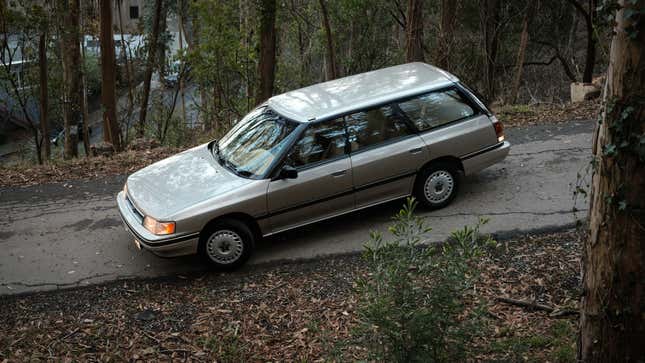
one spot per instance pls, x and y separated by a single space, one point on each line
541 63
579 7
401 23
525 304
558 55
553 312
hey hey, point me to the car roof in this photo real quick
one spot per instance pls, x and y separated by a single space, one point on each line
359 91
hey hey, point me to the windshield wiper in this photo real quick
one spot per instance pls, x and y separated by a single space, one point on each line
227 164
222 160
242 172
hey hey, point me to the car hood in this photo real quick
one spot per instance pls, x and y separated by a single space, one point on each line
180 181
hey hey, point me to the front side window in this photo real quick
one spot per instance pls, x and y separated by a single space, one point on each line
375 126
437 108
321 141
255 142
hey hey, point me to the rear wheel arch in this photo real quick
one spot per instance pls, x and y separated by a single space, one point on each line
455 161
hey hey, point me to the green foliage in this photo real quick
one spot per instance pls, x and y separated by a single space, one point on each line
634 14
164 125
220 62
411 302
92 76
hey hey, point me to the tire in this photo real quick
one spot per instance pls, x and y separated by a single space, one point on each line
226 244
436 185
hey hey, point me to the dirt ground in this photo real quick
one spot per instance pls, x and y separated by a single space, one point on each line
301 311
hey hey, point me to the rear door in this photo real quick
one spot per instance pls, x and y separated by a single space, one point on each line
385 153
323 187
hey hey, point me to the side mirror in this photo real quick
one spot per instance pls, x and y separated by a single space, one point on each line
288 172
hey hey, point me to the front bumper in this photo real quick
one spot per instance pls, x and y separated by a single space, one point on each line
178 244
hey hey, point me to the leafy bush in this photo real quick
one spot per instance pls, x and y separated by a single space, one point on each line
92 76
411 302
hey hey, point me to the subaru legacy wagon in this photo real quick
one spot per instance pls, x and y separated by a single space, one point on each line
311 154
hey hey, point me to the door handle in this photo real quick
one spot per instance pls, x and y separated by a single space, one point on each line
339 173
416 151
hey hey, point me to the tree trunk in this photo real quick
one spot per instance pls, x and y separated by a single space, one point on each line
590 59
128 76
181 70
571 38
147 77
161 46
490 19
44 96
448 16
588 15
524 38
414 32
612 319
84 110
71 54
3 30
245 40
332 70
203 94
111 131
266 64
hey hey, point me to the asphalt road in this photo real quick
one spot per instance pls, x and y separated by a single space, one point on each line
70 234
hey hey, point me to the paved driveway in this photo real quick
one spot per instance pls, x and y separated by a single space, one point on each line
70 234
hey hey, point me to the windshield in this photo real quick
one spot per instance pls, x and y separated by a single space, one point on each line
254 143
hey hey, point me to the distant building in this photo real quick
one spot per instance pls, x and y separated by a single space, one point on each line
130 15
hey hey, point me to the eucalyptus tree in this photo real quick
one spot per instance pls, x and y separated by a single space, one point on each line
150 65
612 319
267 57
111 132
414 32
68 12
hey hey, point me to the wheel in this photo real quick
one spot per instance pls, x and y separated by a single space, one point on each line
226 244
437 185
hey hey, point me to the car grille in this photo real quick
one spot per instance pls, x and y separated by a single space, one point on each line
134 209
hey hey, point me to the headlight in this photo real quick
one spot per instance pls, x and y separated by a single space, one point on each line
125 189
158 228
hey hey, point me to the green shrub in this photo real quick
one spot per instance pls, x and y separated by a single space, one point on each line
411 301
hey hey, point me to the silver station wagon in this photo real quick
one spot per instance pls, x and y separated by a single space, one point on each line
312 154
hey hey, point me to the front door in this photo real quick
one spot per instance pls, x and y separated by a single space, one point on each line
323 187
385 155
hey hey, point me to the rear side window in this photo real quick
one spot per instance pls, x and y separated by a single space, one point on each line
375 126
437 108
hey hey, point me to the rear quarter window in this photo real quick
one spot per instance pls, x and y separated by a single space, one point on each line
437 108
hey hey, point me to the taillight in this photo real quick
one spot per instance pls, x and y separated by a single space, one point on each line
499 129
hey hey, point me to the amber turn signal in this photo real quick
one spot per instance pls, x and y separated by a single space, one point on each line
159 228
